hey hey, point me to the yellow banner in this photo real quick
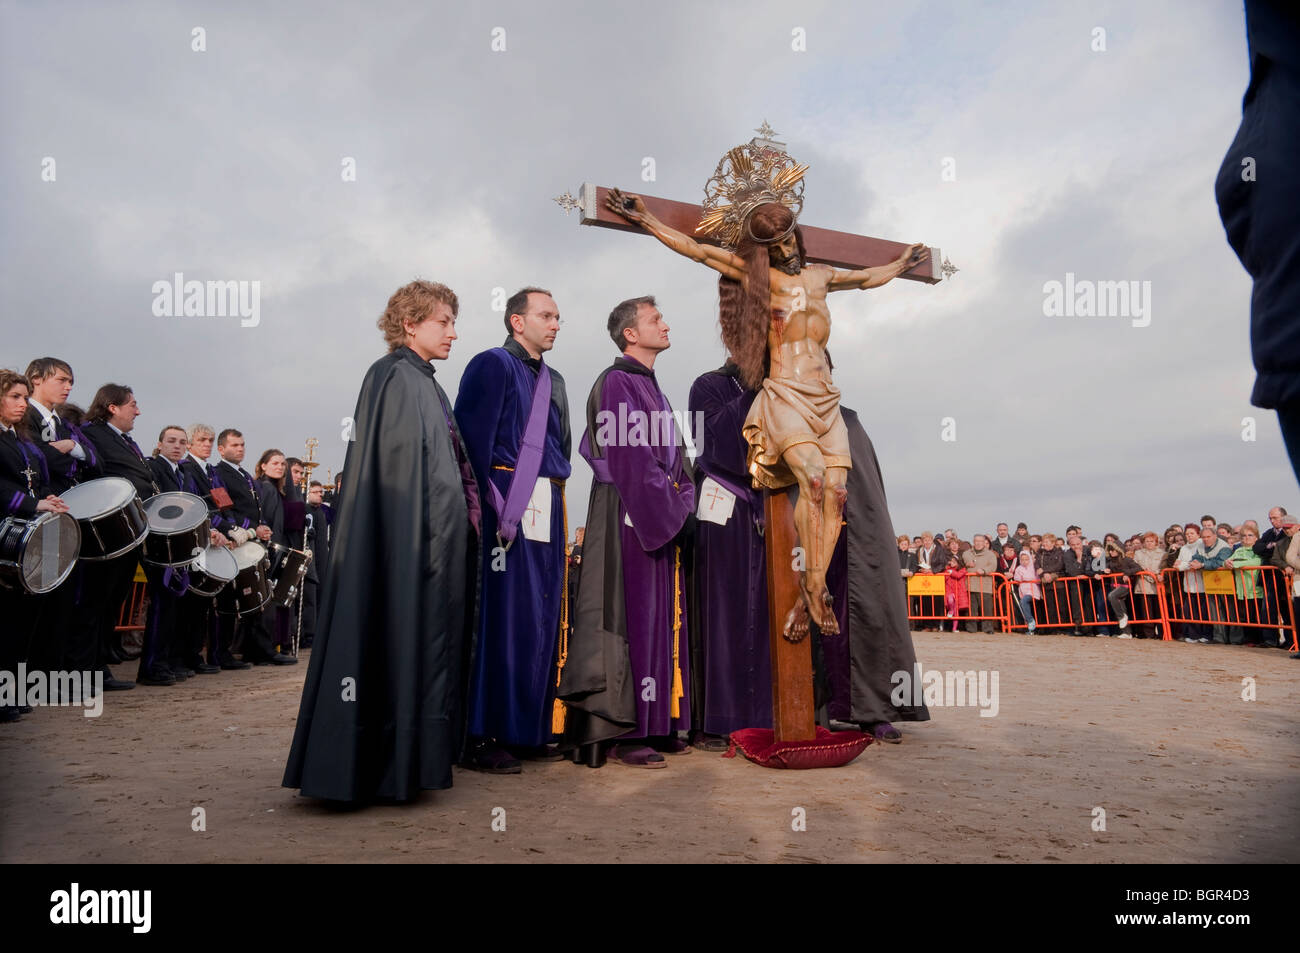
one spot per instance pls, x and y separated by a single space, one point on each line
922 585
1218 582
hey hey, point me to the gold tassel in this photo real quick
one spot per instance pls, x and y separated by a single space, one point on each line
678 691
558 710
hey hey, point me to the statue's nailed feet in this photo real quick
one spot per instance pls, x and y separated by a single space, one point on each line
841 497
796 621
825 618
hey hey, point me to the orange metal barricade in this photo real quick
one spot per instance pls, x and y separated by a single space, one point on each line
132 610
1073 602
1229 605
1081 602
930 609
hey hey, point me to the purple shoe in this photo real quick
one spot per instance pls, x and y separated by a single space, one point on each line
884 731
637 756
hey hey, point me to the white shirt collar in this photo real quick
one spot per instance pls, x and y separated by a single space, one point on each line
120 433
202 463
41 409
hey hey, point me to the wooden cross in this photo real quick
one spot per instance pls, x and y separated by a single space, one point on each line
793 710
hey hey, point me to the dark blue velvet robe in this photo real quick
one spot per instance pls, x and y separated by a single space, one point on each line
512 684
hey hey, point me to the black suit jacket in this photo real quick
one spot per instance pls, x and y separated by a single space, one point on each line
272 510
168 480
198 476
245 510
15 500
65 469
116 458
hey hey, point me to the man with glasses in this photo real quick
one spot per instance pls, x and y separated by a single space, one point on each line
513 414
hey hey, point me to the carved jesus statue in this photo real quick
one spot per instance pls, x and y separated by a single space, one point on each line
775 325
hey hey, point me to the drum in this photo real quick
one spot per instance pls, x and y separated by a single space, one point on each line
36 555
251 589
211 570
179 528
288 567
109 513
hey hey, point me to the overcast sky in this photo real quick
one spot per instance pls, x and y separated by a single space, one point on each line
226 164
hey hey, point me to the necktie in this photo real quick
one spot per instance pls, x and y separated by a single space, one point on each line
135 448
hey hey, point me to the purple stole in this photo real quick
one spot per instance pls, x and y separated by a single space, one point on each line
529 463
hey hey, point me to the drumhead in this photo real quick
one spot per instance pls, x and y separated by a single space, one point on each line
174 512
97 497
50 552
218 562
250 554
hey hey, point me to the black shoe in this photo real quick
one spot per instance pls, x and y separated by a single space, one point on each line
488 758
117 685
279 658
539 753
234 665
9 713
157 677
183 672
24 709
203 668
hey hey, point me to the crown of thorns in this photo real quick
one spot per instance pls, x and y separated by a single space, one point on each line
756 173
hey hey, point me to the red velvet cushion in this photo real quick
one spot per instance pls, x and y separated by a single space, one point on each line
830 749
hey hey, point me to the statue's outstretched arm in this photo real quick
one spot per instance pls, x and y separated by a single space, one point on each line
632 208
864 278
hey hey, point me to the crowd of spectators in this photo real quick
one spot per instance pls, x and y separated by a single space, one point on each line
1112 586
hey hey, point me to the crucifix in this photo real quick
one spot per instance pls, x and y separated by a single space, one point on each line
775 278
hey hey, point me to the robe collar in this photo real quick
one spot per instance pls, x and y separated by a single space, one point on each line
409 355
633 366
515 349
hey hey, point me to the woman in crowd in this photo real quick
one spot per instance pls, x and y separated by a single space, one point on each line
956 595
1008 560
1119 587
1146 602
1249 604
1174 541
907 568
931 558
23 495
273 489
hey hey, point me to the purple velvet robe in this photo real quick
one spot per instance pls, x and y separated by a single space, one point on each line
619 676
734 683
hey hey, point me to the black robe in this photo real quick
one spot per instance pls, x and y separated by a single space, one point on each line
875 638
397 618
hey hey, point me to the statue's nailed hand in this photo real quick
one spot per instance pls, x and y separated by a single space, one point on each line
913 255
629 206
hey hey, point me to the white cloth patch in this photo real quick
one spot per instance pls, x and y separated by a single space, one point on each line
627 520
716 502
536 521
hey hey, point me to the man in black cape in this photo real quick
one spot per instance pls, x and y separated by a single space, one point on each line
383 705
